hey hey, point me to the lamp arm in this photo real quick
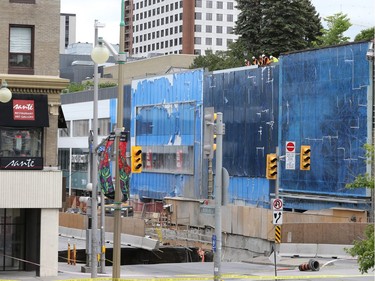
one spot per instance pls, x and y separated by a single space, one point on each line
119 57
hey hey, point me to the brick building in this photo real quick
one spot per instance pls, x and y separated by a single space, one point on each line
31 183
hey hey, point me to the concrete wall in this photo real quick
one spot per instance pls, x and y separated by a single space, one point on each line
132 226
322 233
329 226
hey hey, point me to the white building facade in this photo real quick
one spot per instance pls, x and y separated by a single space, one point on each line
179 27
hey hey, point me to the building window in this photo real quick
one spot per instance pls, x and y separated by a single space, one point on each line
229 18
209 16
104 126
229 30
197 40
66 131
219 17
230 5
21 142
80 128
198 16
209 4
208 41
219 4
209 28
219 42
21 49
198 28
198 3
219 29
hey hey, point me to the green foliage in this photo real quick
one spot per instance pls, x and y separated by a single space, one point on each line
217 61
365 180
364 249
273 27
337 25
366 34
78 87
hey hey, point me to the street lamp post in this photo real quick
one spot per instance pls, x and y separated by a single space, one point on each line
100 56
120 58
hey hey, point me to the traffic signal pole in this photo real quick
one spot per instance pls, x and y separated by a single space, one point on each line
218 194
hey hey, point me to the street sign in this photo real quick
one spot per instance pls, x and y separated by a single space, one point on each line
277 217
290 146
277 204
290 155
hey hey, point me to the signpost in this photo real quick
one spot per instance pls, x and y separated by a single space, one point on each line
290 155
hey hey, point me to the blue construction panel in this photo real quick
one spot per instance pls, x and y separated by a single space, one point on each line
323 98
248 99
166 112
158 186
251 191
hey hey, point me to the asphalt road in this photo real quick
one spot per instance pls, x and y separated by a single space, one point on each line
259 269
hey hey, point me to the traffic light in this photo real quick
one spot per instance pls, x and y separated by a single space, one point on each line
208 134
271 169
136 159
305 156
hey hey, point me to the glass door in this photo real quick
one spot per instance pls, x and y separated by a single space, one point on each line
12 237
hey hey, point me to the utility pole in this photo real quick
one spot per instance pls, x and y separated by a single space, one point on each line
220 131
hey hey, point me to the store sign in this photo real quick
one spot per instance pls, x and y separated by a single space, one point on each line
21 163
23 110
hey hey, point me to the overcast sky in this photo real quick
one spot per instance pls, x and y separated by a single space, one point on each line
360 12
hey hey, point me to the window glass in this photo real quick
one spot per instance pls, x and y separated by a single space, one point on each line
66 131
20 46
80 128
21 142
198 3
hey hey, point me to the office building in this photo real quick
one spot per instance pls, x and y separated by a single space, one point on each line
155 27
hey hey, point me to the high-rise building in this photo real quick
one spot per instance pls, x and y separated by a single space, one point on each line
178 27
67 31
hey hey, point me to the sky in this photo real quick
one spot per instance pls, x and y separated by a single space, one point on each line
360 12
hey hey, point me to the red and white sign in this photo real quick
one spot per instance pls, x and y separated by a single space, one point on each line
290 146
277 204
290 155
23 110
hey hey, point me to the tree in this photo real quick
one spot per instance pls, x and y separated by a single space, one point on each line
219 60
365 180
337 25
366 34
364 248
276 26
